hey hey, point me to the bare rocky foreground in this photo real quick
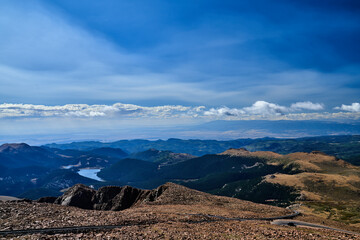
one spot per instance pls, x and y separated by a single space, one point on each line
172 215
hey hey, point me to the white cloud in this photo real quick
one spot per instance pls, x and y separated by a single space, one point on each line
354 107
307 106
224 111
263 108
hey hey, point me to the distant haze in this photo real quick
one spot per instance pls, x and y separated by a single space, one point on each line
218 130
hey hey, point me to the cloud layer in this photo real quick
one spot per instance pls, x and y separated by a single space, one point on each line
258 110
88 111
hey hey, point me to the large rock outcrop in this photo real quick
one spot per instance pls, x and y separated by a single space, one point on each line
108 198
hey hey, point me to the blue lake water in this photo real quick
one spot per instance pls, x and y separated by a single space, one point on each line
67 167
90 173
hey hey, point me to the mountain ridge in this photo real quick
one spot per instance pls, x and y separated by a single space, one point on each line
346 147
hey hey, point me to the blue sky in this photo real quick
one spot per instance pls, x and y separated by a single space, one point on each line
176 62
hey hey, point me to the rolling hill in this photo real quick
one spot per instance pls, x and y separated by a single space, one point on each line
162 157
261 176
326 184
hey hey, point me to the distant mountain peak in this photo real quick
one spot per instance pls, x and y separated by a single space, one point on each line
163 157
14 146
319 153
152 150
110 152
242 152
239 149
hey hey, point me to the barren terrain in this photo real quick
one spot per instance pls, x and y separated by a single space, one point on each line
179 213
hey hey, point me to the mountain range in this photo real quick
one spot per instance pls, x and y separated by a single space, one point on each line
346 147
319 180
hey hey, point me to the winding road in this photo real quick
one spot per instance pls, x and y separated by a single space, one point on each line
294 214
306 224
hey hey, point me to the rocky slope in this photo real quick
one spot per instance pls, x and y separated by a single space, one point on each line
173 214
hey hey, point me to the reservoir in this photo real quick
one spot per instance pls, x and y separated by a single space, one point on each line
90 173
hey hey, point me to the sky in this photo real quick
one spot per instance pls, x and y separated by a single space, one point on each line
89 66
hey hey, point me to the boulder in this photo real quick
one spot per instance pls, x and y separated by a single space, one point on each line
78 196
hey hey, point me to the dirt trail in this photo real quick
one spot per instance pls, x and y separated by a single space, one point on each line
278 220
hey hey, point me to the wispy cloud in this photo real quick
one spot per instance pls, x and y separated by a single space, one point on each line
48 55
